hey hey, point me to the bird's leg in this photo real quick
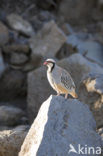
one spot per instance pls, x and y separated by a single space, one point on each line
58 93
66 96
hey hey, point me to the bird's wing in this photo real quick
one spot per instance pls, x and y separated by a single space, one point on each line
66 80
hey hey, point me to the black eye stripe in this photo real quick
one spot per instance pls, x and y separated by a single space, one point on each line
50 62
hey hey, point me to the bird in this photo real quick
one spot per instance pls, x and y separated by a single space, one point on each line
59 79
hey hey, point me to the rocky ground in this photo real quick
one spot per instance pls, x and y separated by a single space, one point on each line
69 31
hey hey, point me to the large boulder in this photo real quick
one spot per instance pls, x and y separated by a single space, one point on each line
10 116
47 41
61 125
12 82
85 45
11 140
4 34
17 23
39 88
2 64
91 93
75 12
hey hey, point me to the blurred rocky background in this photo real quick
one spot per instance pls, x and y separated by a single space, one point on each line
69 31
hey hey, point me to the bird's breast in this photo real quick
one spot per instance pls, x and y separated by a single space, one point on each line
51 79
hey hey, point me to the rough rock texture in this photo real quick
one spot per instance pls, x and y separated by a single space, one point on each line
60 123
75 12
11 140
91 49
2 65
4 34
17 23
10 116
91 92
48 41
20 48
12 82
39 88
18 59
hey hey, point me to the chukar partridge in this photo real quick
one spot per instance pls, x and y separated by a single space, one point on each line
59 79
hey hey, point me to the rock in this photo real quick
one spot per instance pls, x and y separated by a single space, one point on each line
100 3
91 93
45 16
100 132
18 58
32 64
12 82
47 42
10 116
2 128
11 140
82 13
66 51
4 34
91 49
17 23
59 125
20 48
39 88
2 65
46 4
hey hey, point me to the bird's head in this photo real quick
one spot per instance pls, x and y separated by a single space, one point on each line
50 63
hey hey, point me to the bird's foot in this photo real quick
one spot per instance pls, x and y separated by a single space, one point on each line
58 94
66 96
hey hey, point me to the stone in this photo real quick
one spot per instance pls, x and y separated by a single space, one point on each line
100 132
18 58
11 140
19 48
91 93
10 116
17 23
4 34
91 49
39 88
59 125
82 14
47 42
12 82
2 65
46 4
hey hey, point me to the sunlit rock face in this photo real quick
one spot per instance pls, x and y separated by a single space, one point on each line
59 123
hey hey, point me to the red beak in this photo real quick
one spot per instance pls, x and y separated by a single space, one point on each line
45 63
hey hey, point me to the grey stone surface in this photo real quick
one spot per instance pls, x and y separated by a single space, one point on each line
11 140
58 124
91 93
10 115
18 58
48 41
2 65
38 90
12 82
92 49
17 23
4 34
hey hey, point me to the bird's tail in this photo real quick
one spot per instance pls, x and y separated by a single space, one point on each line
74 94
